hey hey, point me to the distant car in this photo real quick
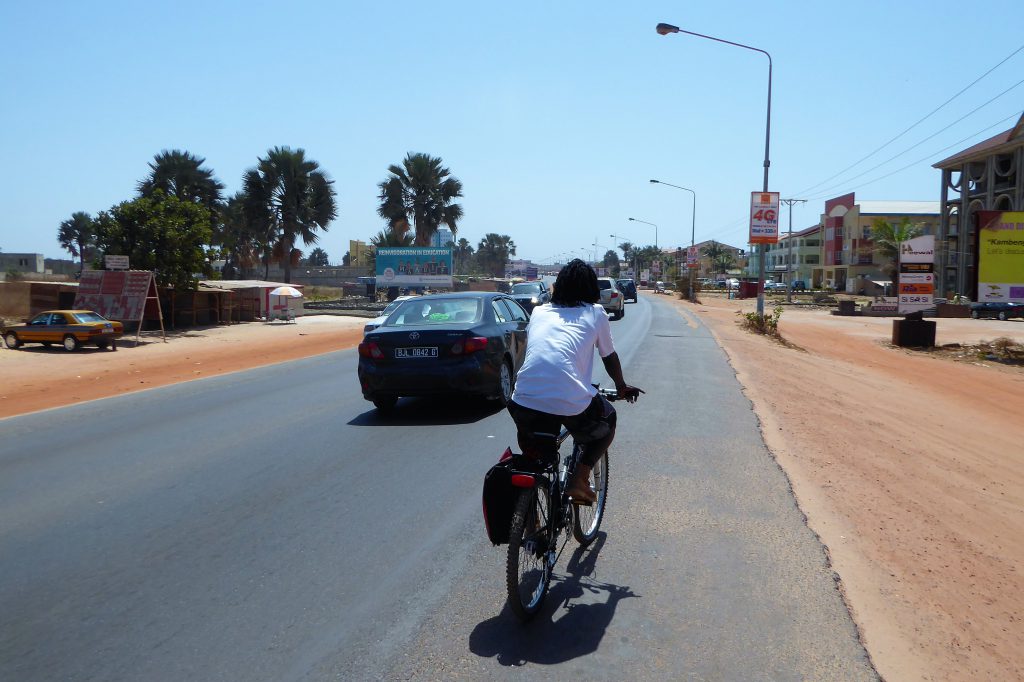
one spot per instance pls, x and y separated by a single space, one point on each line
379 320
531 294
70 328
774 286
611 298
659 287
1001 310
628 289
470 342
799 285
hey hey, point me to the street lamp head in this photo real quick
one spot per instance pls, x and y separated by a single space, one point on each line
656 181
665 29
632 218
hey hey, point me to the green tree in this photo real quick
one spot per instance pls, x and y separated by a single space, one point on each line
287 195
611 261
160 233
723 262
77 236
318 257
493 251
462 254
182 174
887 238
420 193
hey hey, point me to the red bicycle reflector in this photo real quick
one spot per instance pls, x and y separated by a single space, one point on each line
522 480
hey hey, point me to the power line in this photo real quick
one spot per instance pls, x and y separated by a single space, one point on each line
922 160
935 134
926 117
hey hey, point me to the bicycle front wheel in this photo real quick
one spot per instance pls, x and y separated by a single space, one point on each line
586 521
531 550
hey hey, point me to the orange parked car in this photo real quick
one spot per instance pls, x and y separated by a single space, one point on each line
70 328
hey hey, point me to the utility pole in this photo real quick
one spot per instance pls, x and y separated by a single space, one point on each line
789 258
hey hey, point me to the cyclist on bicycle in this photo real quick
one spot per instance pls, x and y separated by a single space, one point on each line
553 387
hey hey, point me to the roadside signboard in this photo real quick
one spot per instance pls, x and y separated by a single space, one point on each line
416 266
692 257
916 287
115 262
764 217
125 296
656 267
1001 256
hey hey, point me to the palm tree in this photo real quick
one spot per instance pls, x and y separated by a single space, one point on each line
318 257
420 193
723 262
887 238
493 251
462 252
288 195
77 236
181 174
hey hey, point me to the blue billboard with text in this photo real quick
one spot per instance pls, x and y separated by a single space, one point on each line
414 266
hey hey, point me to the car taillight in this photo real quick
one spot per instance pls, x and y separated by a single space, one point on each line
470 345
370 349
615 295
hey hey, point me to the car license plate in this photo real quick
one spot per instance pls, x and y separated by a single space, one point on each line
416 352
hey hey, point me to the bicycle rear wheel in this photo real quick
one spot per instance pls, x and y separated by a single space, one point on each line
586 521
530 549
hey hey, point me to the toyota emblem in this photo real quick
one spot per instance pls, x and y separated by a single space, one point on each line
414 335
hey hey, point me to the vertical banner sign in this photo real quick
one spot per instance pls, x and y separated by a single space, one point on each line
916 289
417 266
1001 256
764 217
691 257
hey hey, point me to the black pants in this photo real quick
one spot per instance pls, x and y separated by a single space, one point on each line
593 428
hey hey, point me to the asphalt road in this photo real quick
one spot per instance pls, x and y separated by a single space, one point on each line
268 525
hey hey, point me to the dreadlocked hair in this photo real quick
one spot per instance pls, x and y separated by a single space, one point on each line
576 285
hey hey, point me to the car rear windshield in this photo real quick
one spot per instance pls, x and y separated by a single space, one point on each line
526 289
604 284
435 311
90 317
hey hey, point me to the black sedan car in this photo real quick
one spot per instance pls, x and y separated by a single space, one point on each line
999 309
531 294
470 343
628 289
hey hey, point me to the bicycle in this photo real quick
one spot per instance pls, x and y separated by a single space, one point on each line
542 512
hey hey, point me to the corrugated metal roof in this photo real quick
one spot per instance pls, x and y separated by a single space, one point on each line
244 284
899 207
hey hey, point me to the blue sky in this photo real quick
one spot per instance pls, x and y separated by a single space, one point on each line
553 115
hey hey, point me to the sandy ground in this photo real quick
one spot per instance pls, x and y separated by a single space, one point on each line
34 378
908 466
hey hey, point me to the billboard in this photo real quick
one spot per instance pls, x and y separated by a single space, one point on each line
116 294
415 266
764 217
916 287
1001 256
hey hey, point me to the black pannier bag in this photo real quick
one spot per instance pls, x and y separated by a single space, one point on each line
499 495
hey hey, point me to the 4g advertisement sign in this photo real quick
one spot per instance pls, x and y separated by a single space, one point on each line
764 217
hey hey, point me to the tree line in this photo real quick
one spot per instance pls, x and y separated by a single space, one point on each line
180 220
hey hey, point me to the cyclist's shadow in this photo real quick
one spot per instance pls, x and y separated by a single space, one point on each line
563 630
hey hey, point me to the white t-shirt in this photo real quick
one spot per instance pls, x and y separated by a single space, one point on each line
555 376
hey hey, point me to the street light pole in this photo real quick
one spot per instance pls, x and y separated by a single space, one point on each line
789 258
693 227
637 220
636 269
665 29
